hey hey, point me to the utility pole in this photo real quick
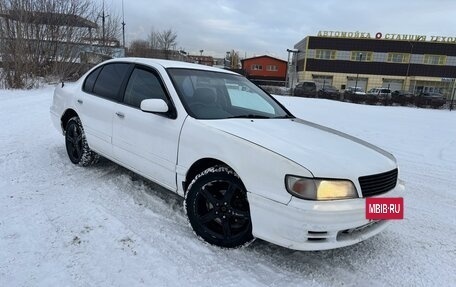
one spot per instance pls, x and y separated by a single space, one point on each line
103 17
123 25
103 20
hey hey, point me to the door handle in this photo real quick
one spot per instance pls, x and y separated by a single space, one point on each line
80 101
120 115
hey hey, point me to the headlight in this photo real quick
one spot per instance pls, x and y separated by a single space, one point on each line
320 189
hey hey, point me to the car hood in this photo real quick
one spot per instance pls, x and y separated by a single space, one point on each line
323 151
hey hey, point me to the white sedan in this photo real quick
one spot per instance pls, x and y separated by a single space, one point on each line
246 166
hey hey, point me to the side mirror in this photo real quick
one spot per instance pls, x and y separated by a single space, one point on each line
154 106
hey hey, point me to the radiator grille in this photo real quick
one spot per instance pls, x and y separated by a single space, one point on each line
378 183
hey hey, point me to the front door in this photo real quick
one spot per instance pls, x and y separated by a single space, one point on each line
147 142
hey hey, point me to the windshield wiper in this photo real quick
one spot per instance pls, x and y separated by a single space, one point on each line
249 116
284 117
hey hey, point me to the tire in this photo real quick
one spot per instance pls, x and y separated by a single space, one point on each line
217 208
76 144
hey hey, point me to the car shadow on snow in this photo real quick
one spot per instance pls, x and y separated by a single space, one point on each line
124 179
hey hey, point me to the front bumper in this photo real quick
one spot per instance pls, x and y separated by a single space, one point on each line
314 225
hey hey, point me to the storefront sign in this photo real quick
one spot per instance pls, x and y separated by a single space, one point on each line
386 36
338 34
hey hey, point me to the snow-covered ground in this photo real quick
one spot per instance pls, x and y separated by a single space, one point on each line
63 225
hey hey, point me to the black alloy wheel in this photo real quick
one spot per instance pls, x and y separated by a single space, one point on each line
76 144
217 208
73 142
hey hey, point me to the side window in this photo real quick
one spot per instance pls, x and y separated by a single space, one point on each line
90 80
143 85
110 80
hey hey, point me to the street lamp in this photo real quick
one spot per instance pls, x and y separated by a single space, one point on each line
408 66
452 95
294 52
357 75
409 62
227 60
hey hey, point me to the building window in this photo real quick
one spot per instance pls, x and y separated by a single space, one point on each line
257 67
398 58
434 59
325 54
272 68
363 56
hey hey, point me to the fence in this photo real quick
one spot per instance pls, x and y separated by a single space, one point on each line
416 101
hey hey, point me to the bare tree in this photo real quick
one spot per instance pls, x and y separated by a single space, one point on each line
13 39
167 39
48 37
158 45
153 39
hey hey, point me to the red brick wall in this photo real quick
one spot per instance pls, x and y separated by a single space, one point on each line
264 62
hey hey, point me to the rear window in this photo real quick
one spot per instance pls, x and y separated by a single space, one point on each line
90 80
110 80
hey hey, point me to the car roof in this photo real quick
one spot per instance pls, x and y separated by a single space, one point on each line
169 64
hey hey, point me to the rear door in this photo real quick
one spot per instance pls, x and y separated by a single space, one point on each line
147 142
96 104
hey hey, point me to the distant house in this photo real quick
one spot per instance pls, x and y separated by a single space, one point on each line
203 60
36 43
265 68
70 36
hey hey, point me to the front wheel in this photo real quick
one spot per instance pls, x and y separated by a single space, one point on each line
76 144
217 208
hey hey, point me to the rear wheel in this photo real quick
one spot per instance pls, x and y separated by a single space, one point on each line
76 144
217 208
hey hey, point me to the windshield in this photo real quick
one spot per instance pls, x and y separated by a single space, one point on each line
215 95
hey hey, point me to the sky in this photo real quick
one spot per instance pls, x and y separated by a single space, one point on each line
258 27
